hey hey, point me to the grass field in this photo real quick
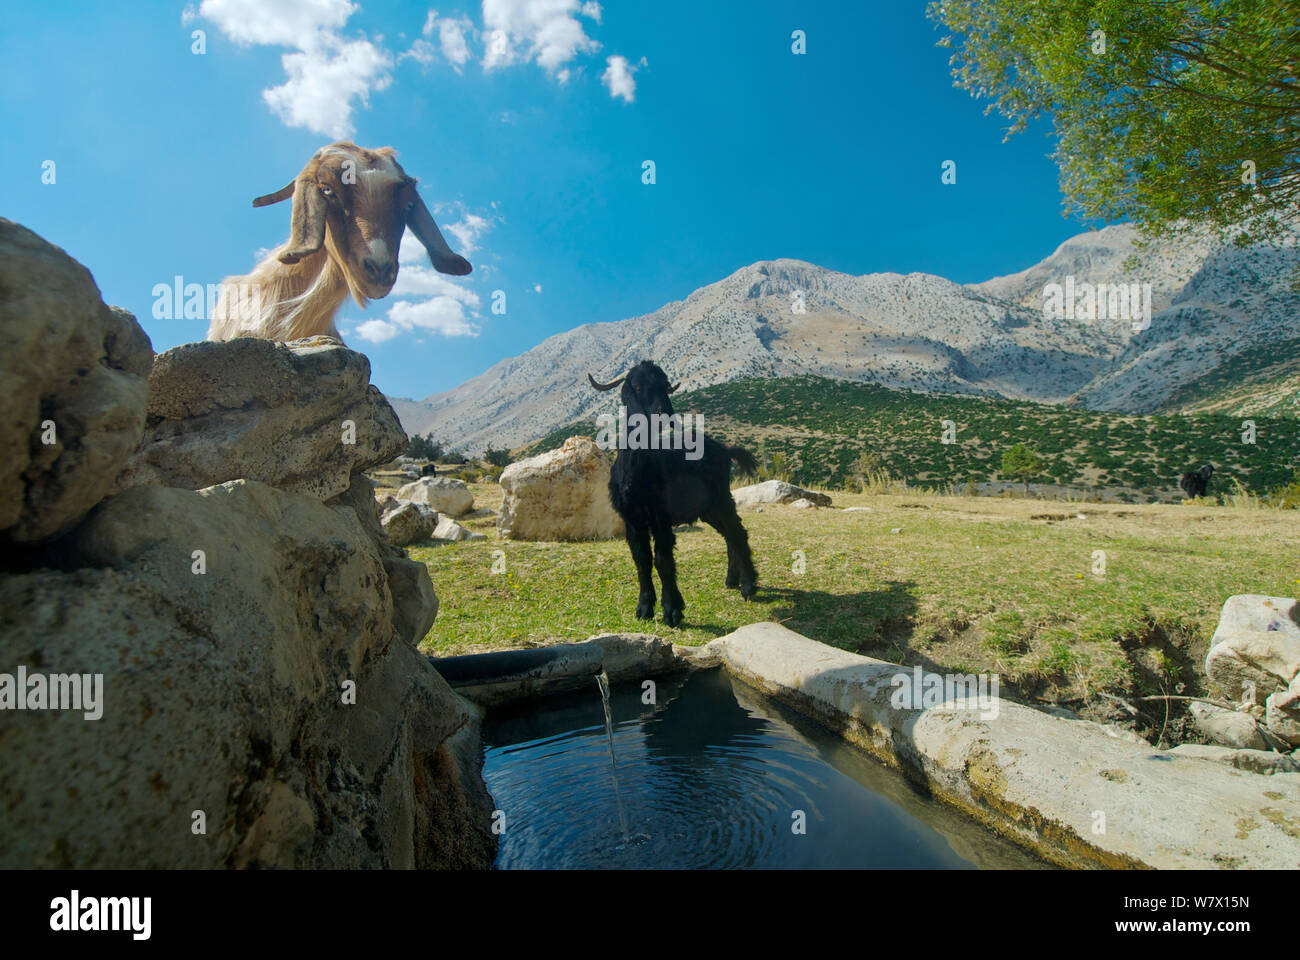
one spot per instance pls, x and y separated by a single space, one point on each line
967 584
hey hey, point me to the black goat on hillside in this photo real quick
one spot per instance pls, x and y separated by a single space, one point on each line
1196 484
654 490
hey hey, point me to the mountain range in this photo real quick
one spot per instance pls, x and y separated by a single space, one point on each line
1212 304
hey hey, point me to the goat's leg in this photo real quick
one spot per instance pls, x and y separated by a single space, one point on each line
638 541
733 569
737 538
673 603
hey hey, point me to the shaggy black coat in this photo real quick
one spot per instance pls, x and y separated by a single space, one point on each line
655 490
1196 483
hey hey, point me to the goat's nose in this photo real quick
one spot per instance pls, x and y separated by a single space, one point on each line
380 271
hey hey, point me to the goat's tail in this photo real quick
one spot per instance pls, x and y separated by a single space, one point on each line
744 460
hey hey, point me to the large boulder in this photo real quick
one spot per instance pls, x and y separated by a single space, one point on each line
409 522
444 494
302 416
255 686
562 494
777 491
248 649
73 388
1256 645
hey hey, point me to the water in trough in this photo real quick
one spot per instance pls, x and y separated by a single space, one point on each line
712 775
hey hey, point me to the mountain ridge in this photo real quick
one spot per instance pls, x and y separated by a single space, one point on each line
914 331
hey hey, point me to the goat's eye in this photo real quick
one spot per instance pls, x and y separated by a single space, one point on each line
327 191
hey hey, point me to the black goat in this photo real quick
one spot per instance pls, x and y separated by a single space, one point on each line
1196 484
654 490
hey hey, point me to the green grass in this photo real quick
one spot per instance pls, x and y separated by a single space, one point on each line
820 427
980 584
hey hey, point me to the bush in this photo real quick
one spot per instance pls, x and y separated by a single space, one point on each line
497 458
1287 496
424 448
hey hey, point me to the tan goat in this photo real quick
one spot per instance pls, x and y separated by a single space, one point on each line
350 208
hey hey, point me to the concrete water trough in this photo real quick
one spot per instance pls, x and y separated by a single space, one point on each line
1073 792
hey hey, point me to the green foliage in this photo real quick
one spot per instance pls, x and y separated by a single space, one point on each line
815 431
497 458
1155 125
424 448
1021 463
1287 496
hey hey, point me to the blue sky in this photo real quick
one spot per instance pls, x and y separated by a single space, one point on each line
528 140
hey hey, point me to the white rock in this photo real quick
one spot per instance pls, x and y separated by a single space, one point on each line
559 495
776 491
1257 643
1282 713
449 529
1227 727
802 504
409 523
443 494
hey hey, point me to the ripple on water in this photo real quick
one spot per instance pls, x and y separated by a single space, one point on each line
712 777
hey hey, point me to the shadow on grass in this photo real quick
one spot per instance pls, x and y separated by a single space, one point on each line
866 619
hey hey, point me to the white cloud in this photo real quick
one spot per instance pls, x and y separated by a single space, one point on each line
618 77
421 51
282 23
545 32
451 33
442 315
322 85
467 231
327 75
377 331
435 303
537 288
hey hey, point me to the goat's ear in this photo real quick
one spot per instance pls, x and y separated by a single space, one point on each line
440 255
1207 471
307 224
673 388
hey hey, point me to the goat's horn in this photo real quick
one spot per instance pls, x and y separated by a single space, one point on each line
673 388
606 386
440 255
284 193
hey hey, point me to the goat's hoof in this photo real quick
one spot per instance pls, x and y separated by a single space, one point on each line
645 611
747 592
673 617
731 584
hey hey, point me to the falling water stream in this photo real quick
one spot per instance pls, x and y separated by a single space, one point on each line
602 681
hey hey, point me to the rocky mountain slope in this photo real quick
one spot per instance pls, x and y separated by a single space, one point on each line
784 318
